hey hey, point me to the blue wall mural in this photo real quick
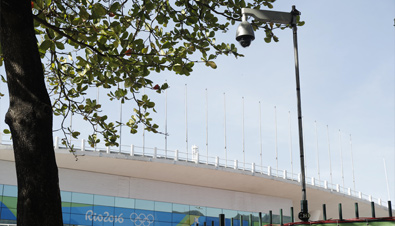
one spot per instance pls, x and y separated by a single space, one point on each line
89 209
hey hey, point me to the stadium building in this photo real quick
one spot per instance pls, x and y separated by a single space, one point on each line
156 187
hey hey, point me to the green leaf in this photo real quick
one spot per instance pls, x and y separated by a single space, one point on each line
99 10
59 45
115 7
212 64
45 45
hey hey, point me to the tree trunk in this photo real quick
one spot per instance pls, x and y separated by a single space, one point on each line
29 118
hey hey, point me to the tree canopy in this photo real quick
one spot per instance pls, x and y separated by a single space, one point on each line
86 44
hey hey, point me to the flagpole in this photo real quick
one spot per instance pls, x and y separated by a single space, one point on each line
97 102
71 126
318 156
290 142
144 131
120 124
276 148
386 177
186 120
352 162
207 127
166 122
341 157
329 154
226 154
244 154
260 134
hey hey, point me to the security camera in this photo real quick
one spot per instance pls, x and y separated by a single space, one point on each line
245 34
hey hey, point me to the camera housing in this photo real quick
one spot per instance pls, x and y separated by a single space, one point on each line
245 34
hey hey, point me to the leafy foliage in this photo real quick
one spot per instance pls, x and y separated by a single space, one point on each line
95 43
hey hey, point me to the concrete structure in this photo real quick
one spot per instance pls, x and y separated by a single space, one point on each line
166 177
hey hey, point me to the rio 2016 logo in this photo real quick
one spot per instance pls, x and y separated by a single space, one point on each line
138 219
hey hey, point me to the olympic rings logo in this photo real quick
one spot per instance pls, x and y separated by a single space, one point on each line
142 219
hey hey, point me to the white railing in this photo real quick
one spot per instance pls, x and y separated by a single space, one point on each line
197 158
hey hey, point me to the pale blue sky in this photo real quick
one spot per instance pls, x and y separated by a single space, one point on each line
347 58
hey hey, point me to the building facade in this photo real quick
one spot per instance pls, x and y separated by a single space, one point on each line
152 188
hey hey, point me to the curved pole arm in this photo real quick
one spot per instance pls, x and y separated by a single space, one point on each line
268 16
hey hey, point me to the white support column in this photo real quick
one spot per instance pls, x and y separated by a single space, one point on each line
56 143
285 174
349 191
108 150
82 145
337 187
325 184
269 170
299 177
155 152
379 201
253 167
370 198
313 181
216 161
176 155
131 150
360 195
236 164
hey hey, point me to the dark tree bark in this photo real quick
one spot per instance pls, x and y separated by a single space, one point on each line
29 118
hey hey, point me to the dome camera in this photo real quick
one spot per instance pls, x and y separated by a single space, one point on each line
245 34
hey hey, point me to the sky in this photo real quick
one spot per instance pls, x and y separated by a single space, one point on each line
347 72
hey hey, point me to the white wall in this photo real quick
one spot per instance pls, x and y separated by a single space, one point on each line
105 184
121 186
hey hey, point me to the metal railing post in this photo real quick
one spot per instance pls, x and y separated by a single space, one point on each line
373 210
340 212
82 145
221 219
131 150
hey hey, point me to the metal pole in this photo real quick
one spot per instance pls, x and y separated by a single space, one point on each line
341 158
226 152
166 123
260 134
304 214
244 153
356 210
292 214
276 146
352 164
281 217
221 219
290 143
329 152
318 153
186 121
120 125
373 210
207 127
340 212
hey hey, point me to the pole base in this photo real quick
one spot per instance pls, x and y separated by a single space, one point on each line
304 213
